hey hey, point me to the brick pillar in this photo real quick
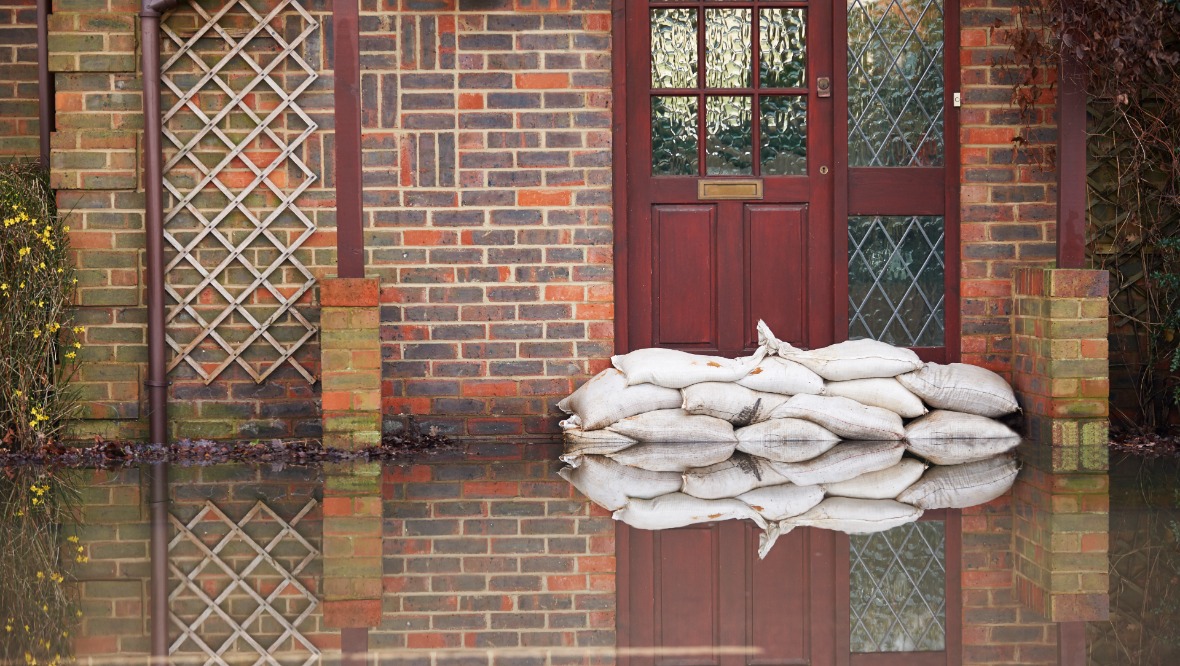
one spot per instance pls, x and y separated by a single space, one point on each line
1061 544
1061 371
352 545
350 344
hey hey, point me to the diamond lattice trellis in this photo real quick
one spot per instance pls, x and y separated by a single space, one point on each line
234 132
898 583
251 600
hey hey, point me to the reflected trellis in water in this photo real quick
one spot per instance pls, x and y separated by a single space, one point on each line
898 586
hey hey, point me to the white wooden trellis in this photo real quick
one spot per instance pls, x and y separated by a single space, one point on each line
215 607
188 73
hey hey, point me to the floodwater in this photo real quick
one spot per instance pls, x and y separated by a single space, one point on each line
484 556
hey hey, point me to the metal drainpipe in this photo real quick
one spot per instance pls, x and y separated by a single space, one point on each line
153 161
157 382
44 80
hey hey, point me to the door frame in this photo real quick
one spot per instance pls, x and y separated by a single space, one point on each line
840 187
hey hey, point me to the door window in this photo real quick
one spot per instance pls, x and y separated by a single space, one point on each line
896 119
895 83
748 101
897 581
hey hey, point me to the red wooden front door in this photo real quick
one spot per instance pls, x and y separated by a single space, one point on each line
730 174
696 597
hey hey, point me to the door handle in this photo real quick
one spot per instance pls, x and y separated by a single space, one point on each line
823 87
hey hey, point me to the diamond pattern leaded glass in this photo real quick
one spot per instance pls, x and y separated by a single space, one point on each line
895 83
896 285
898 584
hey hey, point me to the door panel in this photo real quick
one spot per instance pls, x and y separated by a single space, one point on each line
778 609
687 599
718 94
775 279
685 306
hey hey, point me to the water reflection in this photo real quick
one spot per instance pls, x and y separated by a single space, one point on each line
487 556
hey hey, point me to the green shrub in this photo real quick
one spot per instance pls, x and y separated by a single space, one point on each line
38 344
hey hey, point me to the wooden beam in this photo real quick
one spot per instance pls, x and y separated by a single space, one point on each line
350 239
1071 163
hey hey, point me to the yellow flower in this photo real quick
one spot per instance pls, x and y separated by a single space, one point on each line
70 354
3 286
18 393
72 539
79 329
36 332
24 251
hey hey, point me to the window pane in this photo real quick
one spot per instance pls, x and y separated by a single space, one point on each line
674 136
896 287
895 83
673 48
782 37
784 135
727 48
898 584
729 140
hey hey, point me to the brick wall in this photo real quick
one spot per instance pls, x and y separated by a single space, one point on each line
1061 370
97 163
1008 205
997 627
19 127
494 550
487 185
113 589
487 134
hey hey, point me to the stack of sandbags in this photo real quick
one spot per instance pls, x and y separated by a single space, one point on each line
842 437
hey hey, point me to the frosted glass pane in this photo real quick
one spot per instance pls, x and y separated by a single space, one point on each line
727 48
674 136
895 83
673 48
729 141
782 50
784 135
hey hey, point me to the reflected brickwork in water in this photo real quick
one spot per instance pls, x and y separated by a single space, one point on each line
486 556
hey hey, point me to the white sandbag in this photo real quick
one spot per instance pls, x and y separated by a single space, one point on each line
676 369
675 425
607 398
962 388
844 417
730 478
852 359
944 424
887 483
677 510
857 516
785 440
595 442
610 485
778 375
782 501
846 460
730 402
884 392
843 514
674 456
953 438
961 486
